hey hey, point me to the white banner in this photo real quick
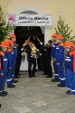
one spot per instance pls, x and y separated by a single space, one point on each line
29 20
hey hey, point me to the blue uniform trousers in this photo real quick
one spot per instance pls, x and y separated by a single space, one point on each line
56 75
9 77
14 56
2 83
4 71
70 80
13 65
10 66
60 70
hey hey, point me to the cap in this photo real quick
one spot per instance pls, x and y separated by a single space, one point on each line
68 44
12 35
59 37
4 44
10 42
54 35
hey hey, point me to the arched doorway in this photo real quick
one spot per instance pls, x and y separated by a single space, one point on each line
23 33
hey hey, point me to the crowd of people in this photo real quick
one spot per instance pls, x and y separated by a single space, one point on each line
8 55
61 56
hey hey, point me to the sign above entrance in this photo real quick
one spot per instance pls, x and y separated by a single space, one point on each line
29 20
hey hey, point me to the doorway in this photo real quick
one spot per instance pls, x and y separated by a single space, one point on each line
23 33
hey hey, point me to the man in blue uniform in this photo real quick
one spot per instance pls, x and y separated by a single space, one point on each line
14 55
3 67
56 75
10 65
69 68
59 59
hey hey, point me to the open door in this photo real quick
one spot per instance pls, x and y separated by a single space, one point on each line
23 33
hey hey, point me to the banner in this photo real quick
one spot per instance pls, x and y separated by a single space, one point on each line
29 20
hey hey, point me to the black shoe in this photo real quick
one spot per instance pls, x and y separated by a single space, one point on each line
14 81
16 77
11 86
33 75
48 77
3 94
68 92
19 74
0 105
54 80
60 85
44 74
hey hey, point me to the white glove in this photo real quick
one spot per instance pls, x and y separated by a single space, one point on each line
22 49
23 54
40 54
41 43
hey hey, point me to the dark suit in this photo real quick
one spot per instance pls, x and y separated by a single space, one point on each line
18 61
46 52
31 60
47 61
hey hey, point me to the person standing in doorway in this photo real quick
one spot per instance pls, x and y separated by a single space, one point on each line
31 51
18 61
47 59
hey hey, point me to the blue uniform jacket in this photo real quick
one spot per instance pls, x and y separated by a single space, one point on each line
59 53
53 50
68 61
13 58
4 64
15 50
10 59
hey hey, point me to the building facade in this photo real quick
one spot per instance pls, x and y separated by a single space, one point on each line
63 8
56 8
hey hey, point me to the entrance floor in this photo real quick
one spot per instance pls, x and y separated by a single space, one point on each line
37 95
